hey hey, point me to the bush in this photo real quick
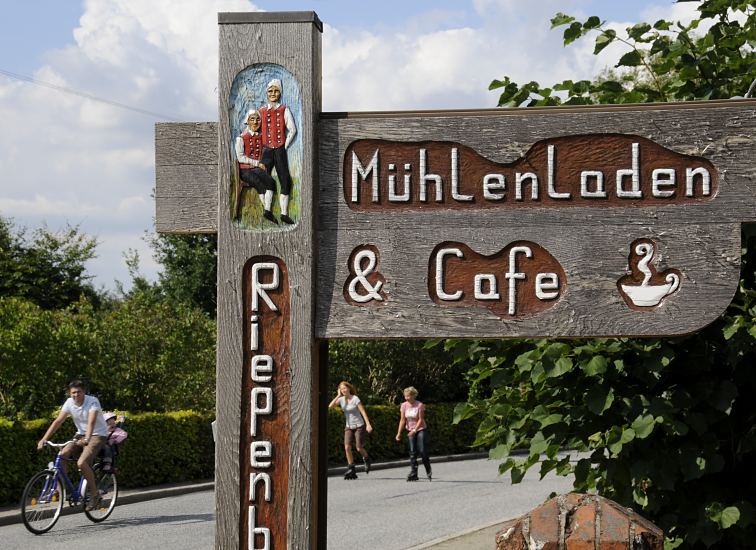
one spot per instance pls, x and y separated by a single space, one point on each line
161 448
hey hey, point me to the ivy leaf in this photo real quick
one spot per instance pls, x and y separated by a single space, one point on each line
643 426
662 25
729 517
561 19
599 398
630 59
592 22
562 366
636 32
572 33
495 84
597 365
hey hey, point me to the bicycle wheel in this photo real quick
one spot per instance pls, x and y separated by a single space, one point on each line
107 487
42 501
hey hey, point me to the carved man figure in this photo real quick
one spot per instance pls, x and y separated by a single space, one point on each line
278 131
253 172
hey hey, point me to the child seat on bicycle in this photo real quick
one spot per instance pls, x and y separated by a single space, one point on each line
116 436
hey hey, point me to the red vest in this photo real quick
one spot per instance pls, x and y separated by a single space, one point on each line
253 145
273 126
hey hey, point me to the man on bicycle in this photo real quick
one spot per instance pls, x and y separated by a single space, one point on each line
91 434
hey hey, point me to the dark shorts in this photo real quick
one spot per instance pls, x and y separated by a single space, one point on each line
352 435
257 179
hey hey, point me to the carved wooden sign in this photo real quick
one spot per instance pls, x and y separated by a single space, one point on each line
601 170
554 222
600 221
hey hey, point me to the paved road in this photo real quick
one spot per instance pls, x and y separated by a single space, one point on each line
184 522
379 511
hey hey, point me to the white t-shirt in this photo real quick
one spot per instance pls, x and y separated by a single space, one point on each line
351 412
80 415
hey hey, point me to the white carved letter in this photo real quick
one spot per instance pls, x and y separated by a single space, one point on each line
552 186
662 177
512 273
635 191
260 449
492 293
455 177
252 531
440 274
690 173
254 332
425 178
600 192
520 180
491 183
261 363
544 282
259 288
358 171
253 479
256 409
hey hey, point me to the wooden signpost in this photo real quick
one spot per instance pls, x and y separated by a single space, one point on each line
558 222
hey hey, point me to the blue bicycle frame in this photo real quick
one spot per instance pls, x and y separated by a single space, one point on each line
75 492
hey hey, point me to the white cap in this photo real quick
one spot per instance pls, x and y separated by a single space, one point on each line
275 83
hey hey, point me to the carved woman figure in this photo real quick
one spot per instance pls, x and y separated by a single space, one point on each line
251 154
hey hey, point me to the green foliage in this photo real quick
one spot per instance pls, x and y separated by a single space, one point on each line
665 426
444 437
161 448
381 369
670 61
48 269
189 269
140 354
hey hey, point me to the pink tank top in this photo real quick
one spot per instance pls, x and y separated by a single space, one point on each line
412 414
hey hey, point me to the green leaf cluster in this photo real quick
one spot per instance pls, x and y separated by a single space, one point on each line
139 354
667 426
666 61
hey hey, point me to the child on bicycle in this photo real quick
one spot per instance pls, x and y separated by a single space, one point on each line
116 436
91 433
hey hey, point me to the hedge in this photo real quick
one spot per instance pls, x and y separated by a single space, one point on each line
161 448
178 446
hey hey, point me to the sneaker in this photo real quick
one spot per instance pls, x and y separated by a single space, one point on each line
93 504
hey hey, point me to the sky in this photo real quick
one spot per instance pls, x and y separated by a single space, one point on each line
77 146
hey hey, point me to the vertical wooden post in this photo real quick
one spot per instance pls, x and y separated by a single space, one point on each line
267 482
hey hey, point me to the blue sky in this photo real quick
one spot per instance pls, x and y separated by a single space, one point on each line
65 158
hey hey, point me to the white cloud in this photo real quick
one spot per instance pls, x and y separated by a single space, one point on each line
68 158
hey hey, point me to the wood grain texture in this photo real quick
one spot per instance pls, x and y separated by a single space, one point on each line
705 237
296 46
592 244
186 172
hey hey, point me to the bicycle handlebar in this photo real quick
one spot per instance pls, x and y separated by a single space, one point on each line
59 445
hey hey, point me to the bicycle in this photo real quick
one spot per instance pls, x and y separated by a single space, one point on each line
45 493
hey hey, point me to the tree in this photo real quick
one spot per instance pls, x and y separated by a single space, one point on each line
668 425
189 268
49 269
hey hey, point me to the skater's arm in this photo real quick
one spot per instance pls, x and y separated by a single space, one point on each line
363 412
402 421
334 403
420 419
